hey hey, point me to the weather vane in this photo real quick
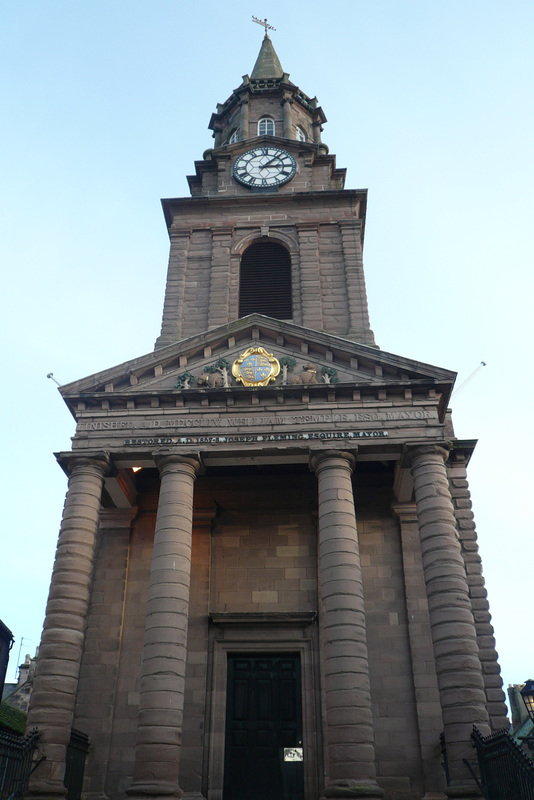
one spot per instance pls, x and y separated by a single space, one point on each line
264 23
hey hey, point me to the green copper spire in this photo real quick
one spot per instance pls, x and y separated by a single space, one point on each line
267 64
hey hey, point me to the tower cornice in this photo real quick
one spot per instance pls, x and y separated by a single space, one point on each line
176 207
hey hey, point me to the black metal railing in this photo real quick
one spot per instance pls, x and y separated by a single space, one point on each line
506 772
17 762
16 756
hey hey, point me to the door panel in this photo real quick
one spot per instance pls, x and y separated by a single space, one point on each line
263 717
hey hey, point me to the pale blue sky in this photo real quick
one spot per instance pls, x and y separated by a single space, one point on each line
105 107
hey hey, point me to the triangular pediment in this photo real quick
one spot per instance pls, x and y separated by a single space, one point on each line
313 361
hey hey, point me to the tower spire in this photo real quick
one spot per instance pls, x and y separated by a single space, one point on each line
267 64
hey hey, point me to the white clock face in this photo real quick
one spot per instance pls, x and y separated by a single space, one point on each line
264 167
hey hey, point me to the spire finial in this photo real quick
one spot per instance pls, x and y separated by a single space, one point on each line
264 23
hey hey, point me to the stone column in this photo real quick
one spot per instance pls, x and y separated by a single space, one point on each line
217 134
316 131
286 117
56 677
159 731
459 673
457 474
243 122
349 720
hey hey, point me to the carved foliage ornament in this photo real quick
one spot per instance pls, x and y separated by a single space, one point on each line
255 367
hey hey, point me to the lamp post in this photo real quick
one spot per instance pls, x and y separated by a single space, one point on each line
527 693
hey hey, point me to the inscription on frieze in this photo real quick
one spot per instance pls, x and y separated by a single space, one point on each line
254 438
190 422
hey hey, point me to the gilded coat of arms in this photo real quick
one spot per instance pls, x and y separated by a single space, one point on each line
255 367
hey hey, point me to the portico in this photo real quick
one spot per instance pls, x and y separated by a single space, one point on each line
252 527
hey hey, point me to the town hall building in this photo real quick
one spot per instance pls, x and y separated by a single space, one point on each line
267 584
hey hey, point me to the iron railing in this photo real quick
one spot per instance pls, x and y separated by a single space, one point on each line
17 763
16 756
506 772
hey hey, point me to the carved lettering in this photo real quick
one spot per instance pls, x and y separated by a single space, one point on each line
269 437
260 421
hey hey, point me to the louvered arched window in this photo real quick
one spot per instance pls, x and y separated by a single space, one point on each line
265 281
266 126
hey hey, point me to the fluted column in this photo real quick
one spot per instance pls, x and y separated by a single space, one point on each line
58 665
159 731
349 723
459 673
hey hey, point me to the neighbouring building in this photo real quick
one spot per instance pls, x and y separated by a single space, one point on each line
6 643
18 694
267 582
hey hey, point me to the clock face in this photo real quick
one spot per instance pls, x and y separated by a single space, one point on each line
264 167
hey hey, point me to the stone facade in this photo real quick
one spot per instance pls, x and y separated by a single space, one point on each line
317 521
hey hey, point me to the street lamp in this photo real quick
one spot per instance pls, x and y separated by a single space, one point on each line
527 693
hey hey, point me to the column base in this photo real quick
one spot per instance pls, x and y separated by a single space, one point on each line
348 788
46 790
466 791
95 796
37 794
154 791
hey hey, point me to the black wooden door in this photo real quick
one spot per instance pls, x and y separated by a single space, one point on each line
263 725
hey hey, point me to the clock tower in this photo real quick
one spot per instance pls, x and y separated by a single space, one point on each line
269 226
267 582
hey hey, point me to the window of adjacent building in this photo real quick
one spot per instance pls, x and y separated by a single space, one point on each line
265 281
234 137
266 126
300 134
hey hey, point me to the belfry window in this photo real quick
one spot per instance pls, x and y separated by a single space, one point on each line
265 281
234 136
300 134
266 126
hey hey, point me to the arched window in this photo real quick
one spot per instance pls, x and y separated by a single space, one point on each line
300 134
266 126
265 281
234 136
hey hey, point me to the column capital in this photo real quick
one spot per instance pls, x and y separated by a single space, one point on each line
317 460
175 462
413 451
70 461
116 518
405 512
